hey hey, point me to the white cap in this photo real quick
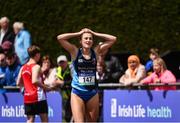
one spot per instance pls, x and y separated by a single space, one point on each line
61 58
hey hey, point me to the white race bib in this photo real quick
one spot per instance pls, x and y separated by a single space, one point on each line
87 80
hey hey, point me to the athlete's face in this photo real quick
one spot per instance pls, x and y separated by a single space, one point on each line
38 57
86 40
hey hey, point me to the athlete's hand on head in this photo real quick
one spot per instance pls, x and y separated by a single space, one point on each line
90 31
85 30
81 32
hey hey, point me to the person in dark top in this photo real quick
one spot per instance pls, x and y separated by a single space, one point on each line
6 34
113 67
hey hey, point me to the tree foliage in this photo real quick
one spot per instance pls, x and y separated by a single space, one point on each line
138 24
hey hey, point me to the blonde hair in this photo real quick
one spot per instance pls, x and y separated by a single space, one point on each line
161 62
18 25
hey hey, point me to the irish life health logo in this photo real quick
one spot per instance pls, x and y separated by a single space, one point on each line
113 107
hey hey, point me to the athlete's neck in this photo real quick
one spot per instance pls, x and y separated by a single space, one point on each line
31 61
86 53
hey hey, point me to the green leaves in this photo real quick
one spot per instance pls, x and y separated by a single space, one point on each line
138 24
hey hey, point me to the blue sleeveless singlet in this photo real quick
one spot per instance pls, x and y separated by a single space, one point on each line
84 76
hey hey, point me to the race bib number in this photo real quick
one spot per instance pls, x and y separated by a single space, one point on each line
87 80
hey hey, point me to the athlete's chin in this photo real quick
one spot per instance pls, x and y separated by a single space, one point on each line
87 47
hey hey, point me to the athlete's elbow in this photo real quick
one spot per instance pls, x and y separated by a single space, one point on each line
59 37
114 39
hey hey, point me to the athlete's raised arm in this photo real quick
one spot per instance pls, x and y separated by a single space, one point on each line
63 40
109 40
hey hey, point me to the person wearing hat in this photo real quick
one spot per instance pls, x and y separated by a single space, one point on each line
63 70
64 73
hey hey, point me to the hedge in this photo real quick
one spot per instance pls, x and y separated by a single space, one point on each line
138 24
